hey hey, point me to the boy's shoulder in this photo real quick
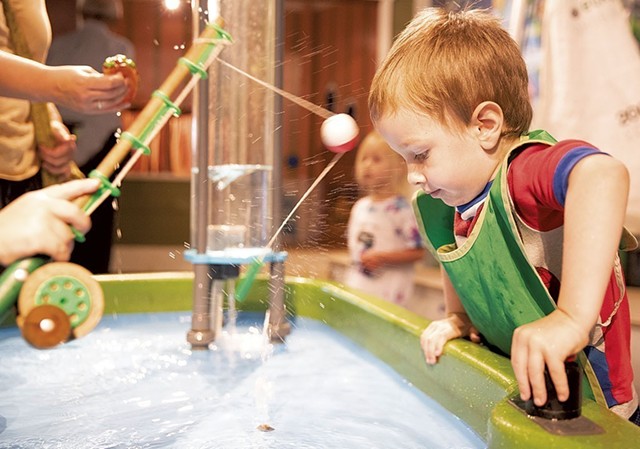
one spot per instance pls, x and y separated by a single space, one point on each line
534 155
561 146
538 177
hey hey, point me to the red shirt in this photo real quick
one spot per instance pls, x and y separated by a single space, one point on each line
538 180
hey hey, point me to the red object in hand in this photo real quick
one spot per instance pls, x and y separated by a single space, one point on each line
126 66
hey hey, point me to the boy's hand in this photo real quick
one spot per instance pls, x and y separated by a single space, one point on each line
439 332
548 341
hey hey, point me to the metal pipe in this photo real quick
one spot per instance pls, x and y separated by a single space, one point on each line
279 327
201 333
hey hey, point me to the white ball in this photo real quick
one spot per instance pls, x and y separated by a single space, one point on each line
339 133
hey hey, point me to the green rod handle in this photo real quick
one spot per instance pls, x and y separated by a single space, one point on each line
12 279
247 282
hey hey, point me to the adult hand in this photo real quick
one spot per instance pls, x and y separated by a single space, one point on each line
85 90
39 222
76 87
57 160
548 341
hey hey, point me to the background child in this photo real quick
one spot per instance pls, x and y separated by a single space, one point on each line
452 98
383 237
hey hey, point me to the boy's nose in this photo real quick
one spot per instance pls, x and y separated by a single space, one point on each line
415 178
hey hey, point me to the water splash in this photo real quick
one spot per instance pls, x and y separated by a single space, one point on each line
224 175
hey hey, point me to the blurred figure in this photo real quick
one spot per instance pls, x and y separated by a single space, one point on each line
34 143
382 234
24 32
90 44
75 87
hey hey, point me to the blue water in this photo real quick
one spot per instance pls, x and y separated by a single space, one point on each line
135 383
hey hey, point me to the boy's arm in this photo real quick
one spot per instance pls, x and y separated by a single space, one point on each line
456 324
594 214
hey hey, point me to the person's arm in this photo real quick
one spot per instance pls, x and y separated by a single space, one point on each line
77 87
57 158
456 324
404 223
372 260
595 206
38 222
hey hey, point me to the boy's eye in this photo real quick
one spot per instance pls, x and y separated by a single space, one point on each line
421 156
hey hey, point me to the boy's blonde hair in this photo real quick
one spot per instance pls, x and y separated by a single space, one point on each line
444 64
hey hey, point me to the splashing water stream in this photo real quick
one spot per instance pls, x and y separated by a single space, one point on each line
255 267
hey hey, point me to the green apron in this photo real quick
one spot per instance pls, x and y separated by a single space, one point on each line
498 287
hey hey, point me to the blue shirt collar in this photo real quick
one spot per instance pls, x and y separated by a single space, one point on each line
478 199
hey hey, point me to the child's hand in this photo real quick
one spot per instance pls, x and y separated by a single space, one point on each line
38 222
439 332
372 260
548 341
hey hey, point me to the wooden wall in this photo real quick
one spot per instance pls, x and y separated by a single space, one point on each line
329 59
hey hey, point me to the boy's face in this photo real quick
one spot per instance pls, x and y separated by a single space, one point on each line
445 163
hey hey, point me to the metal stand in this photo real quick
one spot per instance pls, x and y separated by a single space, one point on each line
213 268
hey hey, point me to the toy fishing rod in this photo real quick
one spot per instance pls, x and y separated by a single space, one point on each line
159 109
157 112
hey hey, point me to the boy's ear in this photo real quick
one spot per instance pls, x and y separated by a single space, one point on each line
488 119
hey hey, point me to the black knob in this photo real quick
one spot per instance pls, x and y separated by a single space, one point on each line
553 408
